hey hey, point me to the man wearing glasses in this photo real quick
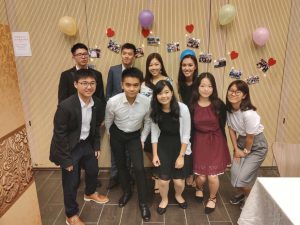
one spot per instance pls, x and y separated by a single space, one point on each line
66 87
76 141
66 84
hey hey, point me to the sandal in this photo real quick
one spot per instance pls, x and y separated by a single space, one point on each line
209 210
199 198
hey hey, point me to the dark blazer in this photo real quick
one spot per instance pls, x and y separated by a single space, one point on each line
67 129
66 85
114 79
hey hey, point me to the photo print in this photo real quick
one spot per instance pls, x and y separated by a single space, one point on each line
152 40
139 52
193 42
173 47
114 46
95 52
254 79
219 62
236 74
205 57
262 65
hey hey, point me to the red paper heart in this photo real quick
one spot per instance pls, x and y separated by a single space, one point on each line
145 32
110 32
234 55
271 61
189 28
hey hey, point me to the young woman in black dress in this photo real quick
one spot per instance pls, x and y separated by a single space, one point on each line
170 136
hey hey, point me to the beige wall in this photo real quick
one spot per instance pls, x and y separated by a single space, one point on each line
288 119
39 74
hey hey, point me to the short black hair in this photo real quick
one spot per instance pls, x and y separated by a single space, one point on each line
77 46
129 46
133 72
84 73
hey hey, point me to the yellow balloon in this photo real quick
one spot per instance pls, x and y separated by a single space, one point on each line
227 14
67 25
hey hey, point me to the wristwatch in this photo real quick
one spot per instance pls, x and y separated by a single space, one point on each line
246 151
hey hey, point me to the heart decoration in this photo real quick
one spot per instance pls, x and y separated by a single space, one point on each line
234 55
110 32
145 32
189 28
271 61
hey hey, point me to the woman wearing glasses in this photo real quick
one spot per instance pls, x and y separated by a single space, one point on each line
248 140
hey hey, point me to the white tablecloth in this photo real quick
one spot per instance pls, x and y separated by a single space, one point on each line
272 201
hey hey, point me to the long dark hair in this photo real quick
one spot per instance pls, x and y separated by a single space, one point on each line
246 103
181 77
148 75
214 99
156 112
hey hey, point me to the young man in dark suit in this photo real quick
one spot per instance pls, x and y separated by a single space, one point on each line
113 87
76 140
66 87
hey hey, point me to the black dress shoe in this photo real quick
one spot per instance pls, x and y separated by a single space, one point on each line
145 212
161 211
182 205
124 199
113 182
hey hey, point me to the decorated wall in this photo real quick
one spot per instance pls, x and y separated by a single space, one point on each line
98 22
17 184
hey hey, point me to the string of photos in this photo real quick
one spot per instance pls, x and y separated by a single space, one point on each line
227 13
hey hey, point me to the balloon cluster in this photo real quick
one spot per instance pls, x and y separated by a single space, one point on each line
226 15
67 25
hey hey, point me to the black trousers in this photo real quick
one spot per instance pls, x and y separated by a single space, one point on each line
85 155
121 142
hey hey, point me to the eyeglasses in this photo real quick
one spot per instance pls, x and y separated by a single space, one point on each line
86 84
237 93
85 54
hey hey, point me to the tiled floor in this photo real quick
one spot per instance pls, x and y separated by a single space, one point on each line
52 210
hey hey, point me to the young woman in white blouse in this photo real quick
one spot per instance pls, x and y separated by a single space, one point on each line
248 140
170 135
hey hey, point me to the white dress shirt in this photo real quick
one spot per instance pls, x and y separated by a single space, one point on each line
184 128
129 117
86 114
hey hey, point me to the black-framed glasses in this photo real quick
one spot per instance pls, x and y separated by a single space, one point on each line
85 54
86 84
237 92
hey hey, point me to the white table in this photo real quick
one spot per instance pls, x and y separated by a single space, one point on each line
272 201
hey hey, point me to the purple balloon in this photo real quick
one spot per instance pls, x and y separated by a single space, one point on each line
146 18
261 36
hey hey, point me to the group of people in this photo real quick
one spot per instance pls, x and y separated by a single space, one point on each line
183 138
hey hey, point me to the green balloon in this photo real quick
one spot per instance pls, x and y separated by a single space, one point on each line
227 14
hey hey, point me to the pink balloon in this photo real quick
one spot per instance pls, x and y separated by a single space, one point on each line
261 36
146 18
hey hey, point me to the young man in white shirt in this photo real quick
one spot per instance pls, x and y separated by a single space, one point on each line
126 113
113 87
